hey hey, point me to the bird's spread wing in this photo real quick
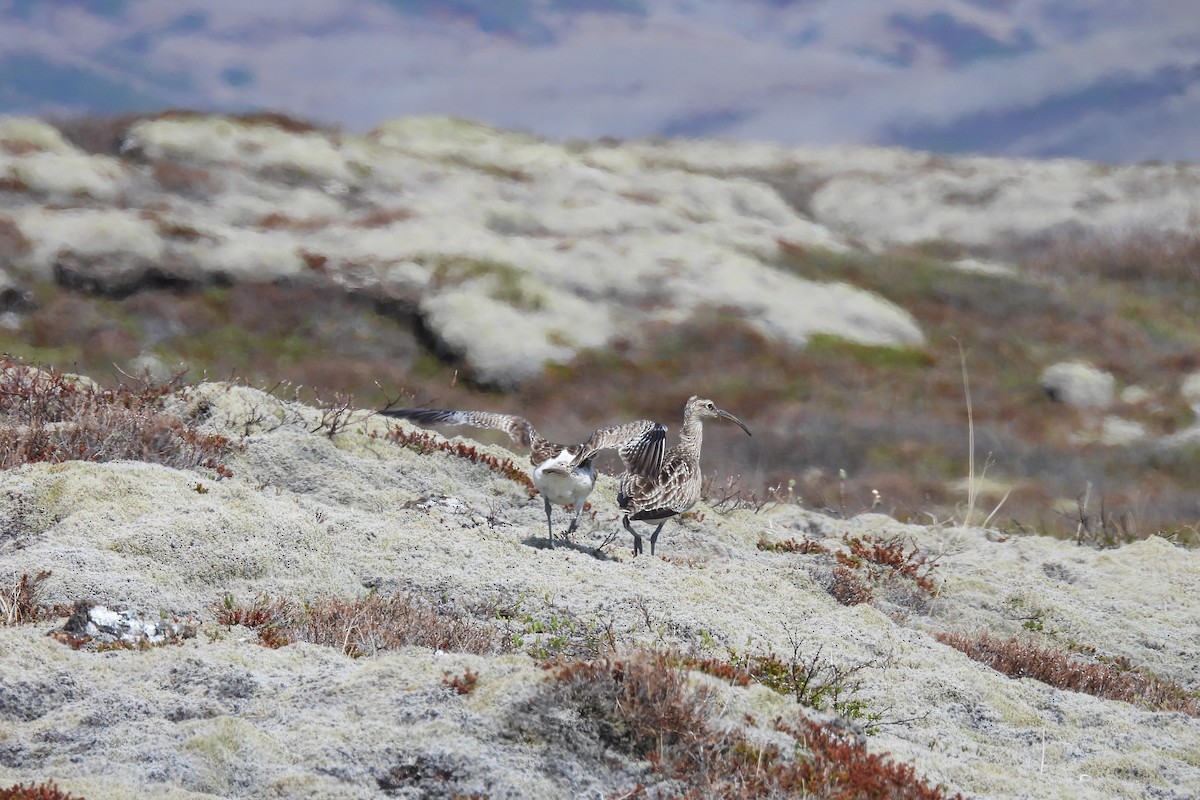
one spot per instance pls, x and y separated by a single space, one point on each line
516 427
640 445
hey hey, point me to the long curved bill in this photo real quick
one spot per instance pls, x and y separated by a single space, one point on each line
722 412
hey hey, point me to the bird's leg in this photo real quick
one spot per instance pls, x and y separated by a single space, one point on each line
637 537
654 536
549 523
575 521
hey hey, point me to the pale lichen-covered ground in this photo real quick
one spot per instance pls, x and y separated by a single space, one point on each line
516 252
307 515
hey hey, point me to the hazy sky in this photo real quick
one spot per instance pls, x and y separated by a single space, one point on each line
1107 79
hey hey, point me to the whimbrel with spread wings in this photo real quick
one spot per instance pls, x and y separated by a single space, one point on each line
563 474
676 486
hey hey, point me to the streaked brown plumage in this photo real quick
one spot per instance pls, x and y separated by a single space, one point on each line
563 474
676 486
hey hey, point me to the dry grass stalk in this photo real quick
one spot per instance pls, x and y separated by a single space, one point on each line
732 496
972 482
336 415
21 602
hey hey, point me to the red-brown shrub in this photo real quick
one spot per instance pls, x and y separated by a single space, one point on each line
13 241
874 563
48 416
463 684
36 791
645 706
1116 681
792 546
362 626
848 588
425 443
186 180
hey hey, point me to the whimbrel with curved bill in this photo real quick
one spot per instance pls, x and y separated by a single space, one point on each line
563 474
676 486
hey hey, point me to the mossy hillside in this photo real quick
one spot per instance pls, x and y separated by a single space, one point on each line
605 280
307 514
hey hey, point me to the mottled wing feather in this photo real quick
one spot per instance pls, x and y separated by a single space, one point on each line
643 454
518 428
640 445
674 490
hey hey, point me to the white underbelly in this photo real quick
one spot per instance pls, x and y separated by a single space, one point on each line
563 488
